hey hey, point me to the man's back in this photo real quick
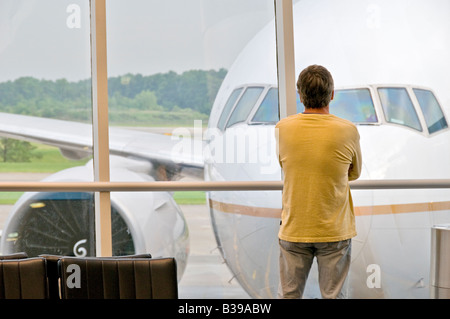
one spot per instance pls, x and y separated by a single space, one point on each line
316 152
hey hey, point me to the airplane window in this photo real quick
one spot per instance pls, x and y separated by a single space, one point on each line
268 110
355 105
398 107
431 110
245 105
228 107
300 106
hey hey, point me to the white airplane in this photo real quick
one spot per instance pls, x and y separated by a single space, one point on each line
389 62
390 59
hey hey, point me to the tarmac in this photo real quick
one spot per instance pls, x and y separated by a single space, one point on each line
206 275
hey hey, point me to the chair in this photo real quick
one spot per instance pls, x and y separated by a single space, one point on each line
118 278
23 278
53 272
52 275
19 255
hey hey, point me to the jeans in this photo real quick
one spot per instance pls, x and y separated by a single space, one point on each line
333 260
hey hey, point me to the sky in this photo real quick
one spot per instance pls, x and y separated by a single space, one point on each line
49 39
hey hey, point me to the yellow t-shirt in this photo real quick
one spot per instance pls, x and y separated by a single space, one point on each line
319 154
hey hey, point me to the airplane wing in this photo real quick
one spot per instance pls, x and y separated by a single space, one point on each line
74 139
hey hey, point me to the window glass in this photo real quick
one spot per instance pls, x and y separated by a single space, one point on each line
300 106
168 68
173 64
355 105
268 110
45 77
228 107
431 110
45 72
245 105
398 108
45 67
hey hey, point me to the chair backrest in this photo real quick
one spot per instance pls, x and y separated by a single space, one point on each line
19 255
53 272
23 278
52 275
118 278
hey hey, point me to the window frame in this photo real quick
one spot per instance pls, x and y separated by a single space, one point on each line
410 90
414 108
250 114
374 103
287 106
222 113
100 126
256 107
416 102
286 80
376 107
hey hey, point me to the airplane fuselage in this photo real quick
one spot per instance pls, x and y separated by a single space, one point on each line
390 254
403 124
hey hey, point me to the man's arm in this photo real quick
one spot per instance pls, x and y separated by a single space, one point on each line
277 143
355 168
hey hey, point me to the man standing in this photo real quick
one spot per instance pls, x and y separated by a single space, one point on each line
319 154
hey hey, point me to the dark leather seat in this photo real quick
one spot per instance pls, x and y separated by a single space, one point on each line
52 275
118 278
19 255
53 272
23 278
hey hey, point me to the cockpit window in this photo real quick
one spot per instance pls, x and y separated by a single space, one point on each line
355 105
398 107
228 107
245 105
431 110
268 110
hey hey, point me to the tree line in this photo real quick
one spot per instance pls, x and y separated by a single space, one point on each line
133 99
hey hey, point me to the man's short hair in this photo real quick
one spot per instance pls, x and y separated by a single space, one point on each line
315 86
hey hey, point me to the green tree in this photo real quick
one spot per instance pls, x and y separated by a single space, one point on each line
193 90
146 100
16 151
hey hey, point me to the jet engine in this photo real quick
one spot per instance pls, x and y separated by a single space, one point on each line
62 223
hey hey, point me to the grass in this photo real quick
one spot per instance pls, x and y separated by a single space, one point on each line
9 198
190 198
181 118
182 198
50 160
